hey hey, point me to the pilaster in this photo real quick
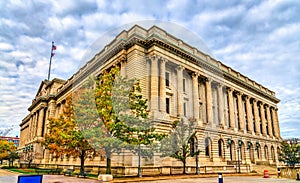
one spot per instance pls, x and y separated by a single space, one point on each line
196 97
180 91
221 105
231 108
162 86
154 84
263 120
269 121
208 101
256 117
249 115
241 112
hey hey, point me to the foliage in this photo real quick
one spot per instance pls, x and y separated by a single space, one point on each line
90 124
290 151
64 137
8 151
123 110
178 144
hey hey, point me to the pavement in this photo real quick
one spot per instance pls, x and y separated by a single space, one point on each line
12 177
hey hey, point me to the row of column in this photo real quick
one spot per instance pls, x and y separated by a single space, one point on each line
158 103
36 124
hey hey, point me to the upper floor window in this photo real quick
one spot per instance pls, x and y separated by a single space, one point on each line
185 109
167 75
184 85
168 105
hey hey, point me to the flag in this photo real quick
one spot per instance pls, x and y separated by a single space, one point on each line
53 48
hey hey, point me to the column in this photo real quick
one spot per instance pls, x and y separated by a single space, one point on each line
241 112
221 105
256 117
269 121
154 84
231 108
30 127
36 123
52 108
123 67
275 123
263 120
208 101
195 97
162 87
249 114
40 122
180 90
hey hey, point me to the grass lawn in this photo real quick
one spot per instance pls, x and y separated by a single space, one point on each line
22 170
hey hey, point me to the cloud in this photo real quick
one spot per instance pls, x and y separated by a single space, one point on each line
260 39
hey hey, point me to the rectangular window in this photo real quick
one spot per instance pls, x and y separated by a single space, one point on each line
168 105
183 85
184 109
167 79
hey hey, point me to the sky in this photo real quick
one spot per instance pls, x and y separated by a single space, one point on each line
260 39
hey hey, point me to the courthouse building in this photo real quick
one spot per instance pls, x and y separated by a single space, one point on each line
236 117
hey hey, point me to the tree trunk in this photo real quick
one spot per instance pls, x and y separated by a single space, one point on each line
108 165
184 166
82 157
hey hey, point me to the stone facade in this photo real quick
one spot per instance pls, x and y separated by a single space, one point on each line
236 117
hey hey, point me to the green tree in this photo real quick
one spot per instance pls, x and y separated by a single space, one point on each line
290 151
124 112
64 137
90 124
178 144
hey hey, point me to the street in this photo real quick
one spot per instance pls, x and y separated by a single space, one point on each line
11 177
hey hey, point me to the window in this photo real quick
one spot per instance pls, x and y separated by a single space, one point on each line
184 109
167 77
220 148
207 148
192 145
183 84
168 105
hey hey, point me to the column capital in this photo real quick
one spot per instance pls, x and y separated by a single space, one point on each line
122 58
229 89
247 97
255 100
261 103
163 60
152 57
239 93
195 74
179 68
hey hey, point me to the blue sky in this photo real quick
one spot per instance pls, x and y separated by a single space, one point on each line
260 39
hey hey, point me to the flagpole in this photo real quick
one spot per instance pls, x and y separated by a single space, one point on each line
51 55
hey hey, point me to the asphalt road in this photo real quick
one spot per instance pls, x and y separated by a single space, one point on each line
10 177
238 179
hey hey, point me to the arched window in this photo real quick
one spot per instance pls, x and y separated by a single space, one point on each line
266 152
193 144
273 153
251 152
242 152
258 152
221 148
207 147
232 151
